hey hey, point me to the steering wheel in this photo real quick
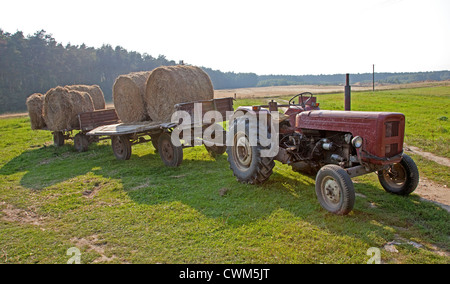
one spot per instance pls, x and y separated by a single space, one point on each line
303 104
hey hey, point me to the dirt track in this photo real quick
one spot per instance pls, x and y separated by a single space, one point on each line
428 190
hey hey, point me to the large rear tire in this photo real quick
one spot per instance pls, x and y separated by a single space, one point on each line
216 150
334 190
245 160
401 178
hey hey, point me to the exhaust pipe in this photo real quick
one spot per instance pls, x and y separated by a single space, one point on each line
348 90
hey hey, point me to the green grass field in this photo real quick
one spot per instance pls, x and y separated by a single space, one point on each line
138 211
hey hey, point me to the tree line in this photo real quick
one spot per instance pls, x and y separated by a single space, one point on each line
339 79
35 63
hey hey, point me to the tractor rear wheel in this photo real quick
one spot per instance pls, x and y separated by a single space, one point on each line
216 149
245 160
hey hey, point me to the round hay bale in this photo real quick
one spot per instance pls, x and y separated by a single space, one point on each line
62 106
171 85
57 108
81 102
96 93
35 106
128 93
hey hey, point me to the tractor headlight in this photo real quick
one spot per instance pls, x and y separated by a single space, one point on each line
357 142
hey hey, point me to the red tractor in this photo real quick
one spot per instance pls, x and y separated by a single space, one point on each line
337 145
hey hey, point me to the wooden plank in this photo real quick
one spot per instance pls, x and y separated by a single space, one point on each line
124 129
221 105
91 120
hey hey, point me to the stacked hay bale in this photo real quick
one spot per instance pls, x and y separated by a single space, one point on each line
62 106
94 91
35 106
151 96
171 85
58 109
128 93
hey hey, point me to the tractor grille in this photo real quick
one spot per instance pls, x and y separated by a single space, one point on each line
392 132
392 128
391 150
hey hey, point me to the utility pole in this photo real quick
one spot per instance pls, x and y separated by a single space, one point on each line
348 91
373 78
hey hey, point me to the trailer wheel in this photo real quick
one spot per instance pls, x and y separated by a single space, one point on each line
245 160
58 138
401 178
81 142
215 151
121 146
171 155
334 190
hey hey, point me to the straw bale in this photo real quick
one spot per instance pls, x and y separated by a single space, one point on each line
35 105
81 102
96 93
170 85
62 106
128 93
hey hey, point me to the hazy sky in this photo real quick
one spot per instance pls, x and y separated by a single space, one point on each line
265 37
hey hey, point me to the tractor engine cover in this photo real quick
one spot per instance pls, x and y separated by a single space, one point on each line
382 132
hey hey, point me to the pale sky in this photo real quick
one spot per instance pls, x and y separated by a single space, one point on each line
293 37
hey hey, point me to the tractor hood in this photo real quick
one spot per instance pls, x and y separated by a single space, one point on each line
383 132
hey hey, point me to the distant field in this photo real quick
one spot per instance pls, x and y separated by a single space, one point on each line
276 91
138 211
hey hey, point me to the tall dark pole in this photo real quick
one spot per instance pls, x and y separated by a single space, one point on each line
348 89
373 78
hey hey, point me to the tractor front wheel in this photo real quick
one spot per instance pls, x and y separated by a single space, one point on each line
401 178
334 190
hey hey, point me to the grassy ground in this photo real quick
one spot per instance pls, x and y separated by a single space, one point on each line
139 211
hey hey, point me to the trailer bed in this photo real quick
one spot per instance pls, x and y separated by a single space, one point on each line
126 129
124 135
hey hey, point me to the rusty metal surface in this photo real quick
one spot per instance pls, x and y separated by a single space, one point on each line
371 126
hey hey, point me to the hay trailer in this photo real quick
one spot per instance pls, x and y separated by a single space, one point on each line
125 135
